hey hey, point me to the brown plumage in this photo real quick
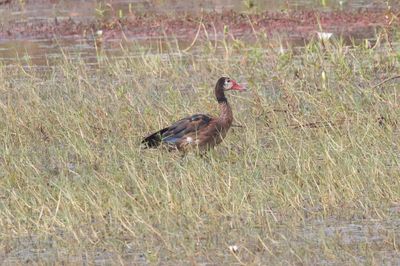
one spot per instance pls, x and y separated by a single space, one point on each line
199 130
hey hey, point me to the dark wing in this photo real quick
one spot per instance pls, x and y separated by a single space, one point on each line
176 132
154 139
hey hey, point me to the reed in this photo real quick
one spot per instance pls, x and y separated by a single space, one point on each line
310 176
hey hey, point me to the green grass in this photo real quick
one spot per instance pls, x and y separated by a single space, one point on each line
311 176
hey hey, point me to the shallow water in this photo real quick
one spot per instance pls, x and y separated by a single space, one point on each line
86 10
316 233
39 51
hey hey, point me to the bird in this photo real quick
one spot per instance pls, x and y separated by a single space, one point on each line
199 131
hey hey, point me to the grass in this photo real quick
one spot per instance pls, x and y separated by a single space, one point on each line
311 176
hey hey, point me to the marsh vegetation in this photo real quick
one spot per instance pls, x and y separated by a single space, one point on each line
310 174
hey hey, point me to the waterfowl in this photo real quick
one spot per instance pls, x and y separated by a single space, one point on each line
199 130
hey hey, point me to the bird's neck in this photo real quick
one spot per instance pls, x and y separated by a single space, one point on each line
226 116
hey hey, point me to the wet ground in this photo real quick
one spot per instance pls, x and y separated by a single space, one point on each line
37 30
31 249
41 28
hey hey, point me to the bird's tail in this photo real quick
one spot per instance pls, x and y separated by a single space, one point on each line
154 139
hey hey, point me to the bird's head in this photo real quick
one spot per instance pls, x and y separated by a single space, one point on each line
229 84
226 84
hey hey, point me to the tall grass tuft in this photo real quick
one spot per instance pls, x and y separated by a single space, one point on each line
311 175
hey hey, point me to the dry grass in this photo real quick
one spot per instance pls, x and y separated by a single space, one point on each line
312 176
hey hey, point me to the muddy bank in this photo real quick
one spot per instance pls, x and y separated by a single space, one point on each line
211 25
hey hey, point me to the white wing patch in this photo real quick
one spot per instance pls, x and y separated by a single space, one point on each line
190 140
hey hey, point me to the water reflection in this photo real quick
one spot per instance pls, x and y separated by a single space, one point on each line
83 10
38 51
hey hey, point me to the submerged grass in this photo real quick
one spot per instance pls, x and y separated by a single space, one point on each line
311 176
